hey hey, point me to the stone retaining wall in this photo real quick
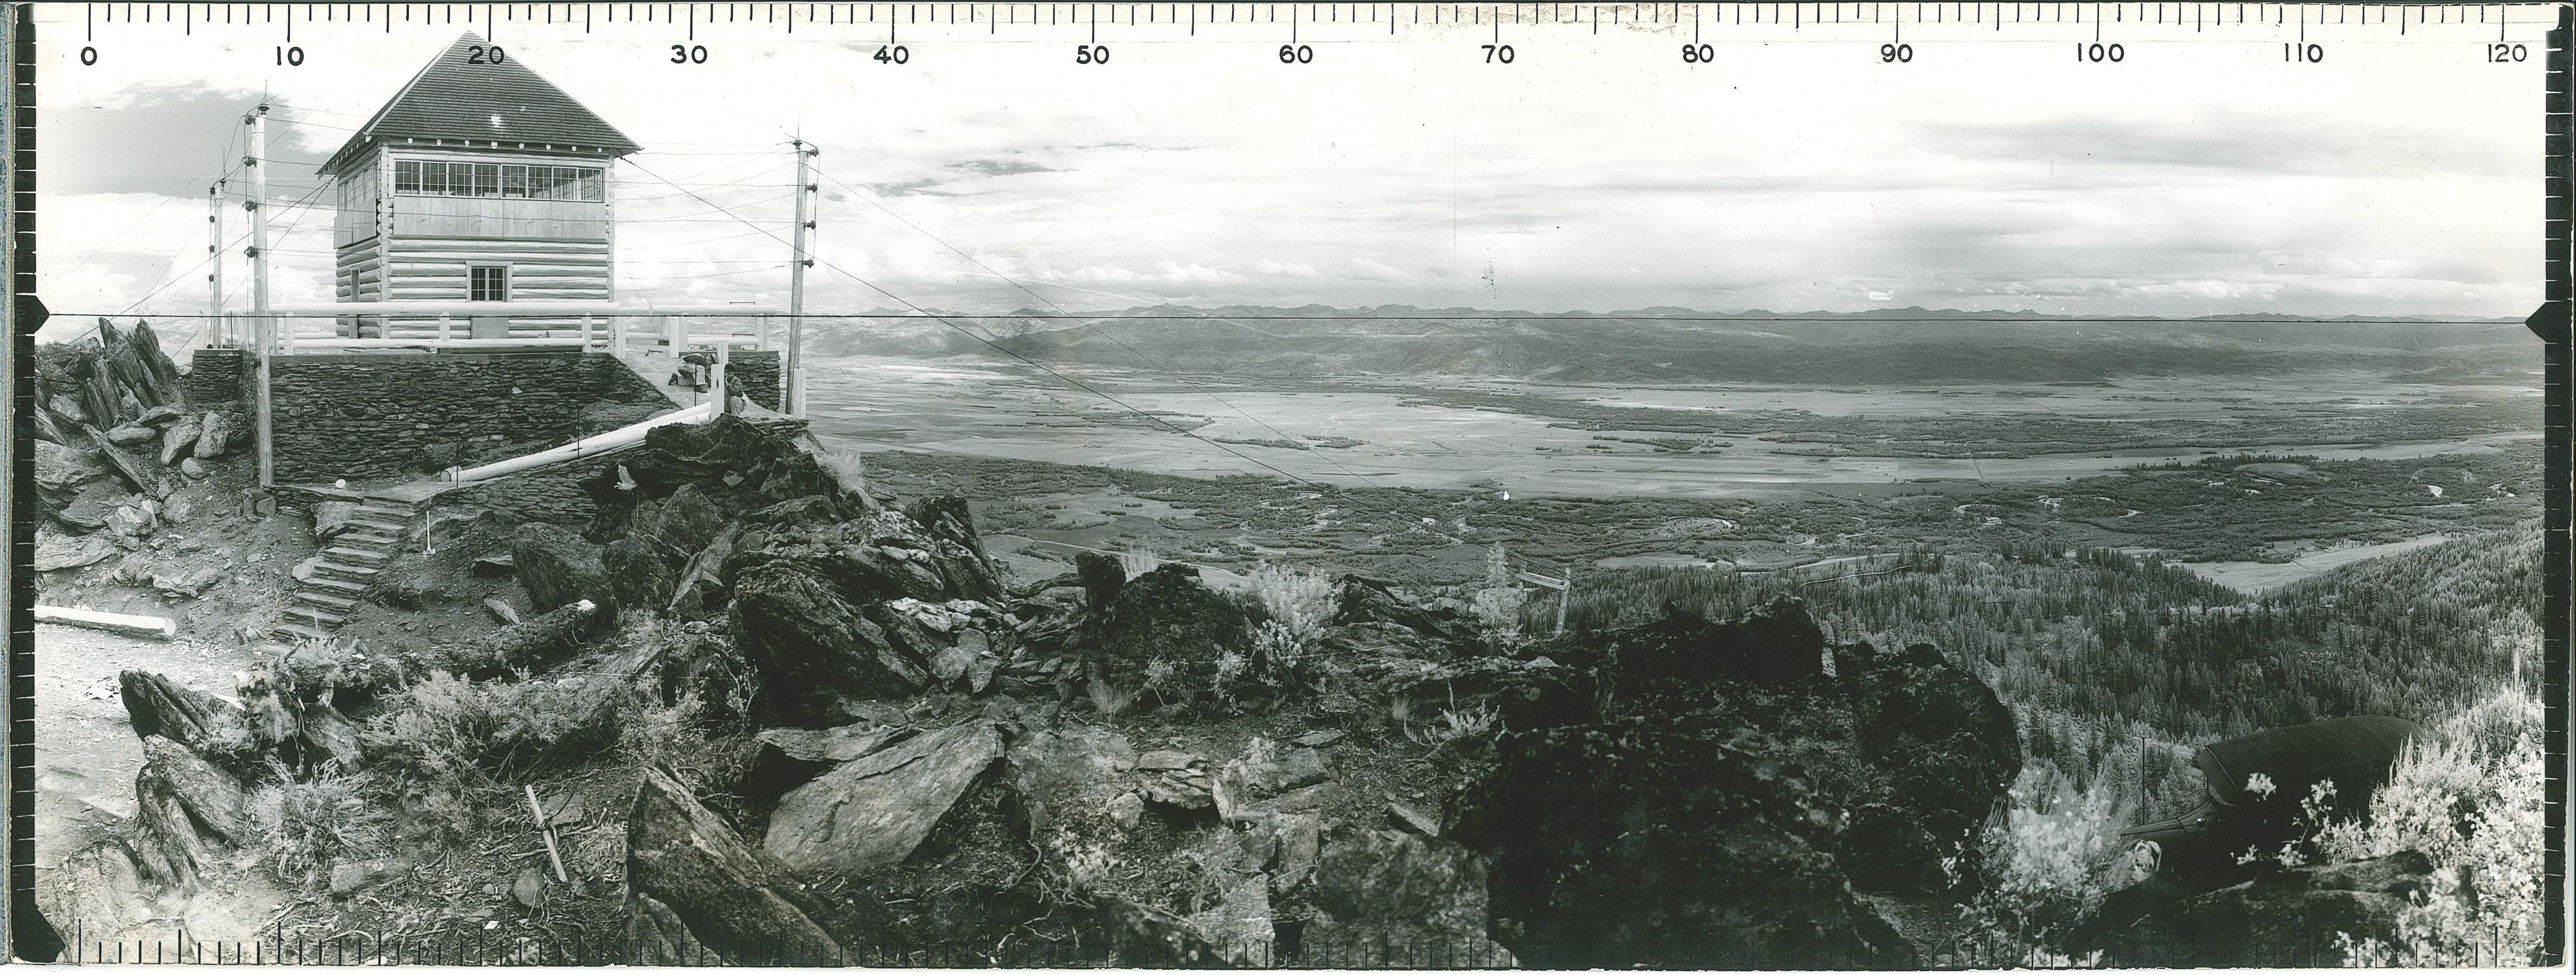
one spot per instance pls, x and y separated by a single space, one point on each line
215 377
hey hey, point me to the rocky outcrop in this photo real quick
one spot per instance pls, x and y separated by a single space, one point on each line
863 609
1685 652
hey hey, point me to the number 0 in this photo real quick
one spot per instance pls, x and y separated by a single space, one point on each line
89 55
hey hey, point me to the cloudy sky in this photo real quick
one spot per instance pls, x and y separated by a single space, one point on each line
2201 175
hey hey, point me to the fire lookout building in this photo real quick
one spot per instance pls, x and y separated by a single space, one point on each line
480 181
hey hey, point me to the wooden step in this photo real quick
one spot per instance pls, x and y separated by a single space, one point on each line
370 540
353 573
386 526
358 555
326 600
295 631
322 617
342 586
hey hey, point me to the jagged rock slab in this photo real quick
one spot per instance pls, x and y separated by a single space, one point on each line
693 882
70 552
871 813
842 744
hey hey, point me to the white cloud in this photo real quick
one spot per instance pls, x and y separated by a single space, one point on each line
1583 176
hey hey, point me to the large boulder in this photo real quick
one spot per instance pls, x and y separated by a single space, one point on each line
813 645
60 472
1683 652
871 813
694 885
179 439
945 517
638 574
1395 897
2283 918
1625 843
1942 750
677 527
1168 615
740 464
188 812
55 551
215 435
559 568
879 556
1362 601
1100 576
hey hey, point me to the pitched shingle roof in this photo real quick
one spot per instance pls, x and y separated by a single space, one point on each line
453 100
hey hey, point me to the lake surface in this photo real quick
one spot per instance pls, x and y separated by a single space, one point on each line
992 410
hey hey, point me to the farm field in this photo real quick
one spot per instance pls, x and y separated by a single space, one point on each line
2261 577
1756 440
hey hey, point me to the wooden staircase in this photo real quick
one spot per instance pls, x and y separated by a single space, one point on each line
350 563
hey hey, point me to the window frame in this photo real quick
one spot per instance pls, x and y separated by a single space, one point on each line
476 290
482 180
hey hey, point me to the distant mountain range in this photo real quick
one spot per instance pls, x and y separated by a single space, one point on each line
1678 345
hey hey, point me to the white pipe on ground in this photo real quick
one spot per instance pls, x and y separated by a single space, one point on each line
145 626
625 436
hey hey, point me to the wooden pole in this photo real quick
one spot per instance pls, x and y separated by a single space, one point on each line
215 252
1564 600
155 627
547 830
266 326
791 374
716 373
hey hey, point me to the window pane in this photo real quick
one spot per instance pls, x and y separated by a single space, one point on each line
487 179
488 284
433 178
514 180
407 177
591 189
541 182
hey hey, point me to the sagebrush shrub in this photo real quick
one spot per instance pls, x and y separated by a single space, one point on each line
2468 796
2048 860
316 822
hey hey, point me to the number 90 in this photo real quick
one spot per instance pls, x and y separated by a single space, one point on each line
1894 53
